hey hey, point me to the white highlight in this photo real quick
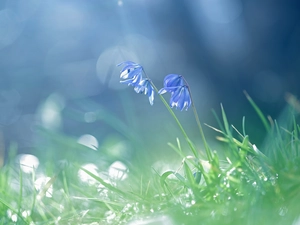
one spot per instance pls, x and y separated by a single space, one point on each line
90 117
50 112
84 177
158 220
40 183
118 171
88 141
28 163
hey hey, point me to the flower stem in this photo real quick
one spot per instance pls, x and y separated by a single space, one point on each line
207 149
176 119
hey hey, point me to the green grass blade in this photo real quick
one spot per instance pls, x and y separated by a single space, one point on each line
225 121
244 126
259 112
20 190
189 175
13 210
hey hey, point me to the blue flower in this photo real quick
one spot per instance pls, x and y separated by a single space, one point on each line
173 80
145 87
131 73
171 83
180 98
180 94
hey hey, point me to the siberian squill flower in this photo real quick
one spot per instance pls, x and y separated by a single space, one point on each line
146 87
132 75
173 80
180 95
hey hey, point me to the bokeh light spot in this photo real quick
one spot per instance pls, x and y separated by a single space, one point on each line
12 215
28 163
84 177
40 183
120 3
152 221
118 171
26 213
90 117
50 112
106 66
88 141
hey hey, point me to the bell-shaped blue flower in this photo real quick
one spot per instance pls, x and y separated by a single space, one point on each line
180 95
145 87
173 80
131 73
180 98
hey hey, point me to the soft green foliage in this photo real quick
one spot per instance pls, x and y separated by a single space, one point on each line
237 184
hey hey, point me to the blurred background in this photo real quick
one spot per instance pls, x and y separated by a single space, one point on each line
58 74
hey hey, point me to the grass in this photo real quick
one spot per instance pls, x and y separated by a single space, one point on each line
240 183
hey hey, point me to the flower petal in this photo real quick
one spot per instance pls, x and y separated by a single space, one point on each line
173 80
127 63
131 74
144 86
151 96
180 97
167 89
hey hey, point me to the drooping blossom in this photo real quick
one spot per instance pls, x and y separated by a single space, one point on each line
131 74
180 95
145 87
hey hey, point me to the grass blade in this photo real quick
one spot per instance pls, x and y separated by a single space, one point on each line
259 112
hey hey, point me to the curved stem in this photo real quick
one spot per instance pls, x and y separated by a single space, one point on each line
208 152
175 117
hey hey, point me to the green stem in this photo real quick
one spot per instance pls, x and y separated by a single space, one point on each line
180 126
208 152
176 119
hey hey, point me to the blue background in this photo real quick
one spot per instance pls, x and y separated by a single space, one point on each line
58 60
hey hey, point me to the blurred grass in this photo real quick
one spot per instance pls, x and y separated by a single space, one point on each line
241 184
